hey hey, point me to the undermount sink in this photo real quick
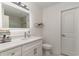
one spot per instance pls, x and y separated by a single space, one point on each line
14 40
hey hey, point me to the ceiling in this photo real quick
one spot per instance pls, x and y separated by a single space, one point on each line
45 4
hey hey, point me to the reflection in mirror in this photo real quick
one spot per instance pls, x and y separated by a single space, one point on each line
14 18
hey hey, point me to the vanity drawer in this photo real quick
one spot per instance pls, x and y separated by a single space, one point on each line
12 52
32 43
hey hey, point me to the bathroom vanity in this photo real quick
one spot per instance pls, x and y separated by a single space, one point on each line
17 20
22 47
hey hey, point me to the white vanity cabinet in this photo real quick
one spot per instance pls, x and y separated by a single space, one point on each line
12 52
33 48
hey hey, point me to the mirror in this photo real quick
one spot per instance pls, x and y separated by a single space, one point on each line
14 18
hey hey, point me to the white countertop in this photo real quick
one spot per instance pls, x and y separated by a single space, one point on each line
15 43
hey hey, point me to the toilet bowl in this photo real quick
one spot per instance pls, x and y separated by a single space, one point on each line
47 49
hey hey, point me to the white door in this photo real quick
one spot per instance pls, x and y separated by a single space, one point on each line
68 32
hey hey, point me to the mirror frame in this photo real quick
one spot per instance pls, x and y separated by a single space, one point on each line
19 8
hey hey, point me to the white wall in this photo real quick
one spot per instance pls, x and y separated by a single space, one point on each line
35 17
52 24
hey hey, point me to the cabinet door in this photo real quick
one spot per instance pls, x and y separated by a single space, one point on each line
38 49
28 52
12 52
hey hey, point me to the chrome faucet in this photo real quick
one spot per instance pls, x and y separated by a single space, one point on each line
5 36
25 34
5 39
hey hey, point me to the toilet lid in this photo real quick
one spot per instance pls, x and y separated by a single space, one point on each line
47 46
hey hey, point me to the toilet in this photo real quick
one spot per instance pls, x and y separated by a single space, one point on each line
47 49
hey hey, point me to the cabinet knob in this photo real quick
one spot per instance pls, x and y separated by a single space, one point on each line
12 54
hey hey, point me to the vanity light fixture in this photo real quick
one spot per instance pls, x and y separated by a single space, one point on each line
20 4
